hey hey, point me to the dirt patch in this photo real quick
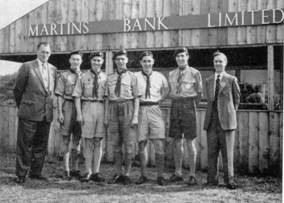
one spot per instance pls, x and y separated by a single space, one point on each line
252 189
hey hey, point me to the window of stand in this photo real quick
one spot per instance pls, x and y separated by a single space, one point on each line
249 65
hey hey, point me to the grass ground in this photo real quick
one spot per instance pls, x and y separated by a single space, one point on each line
252 189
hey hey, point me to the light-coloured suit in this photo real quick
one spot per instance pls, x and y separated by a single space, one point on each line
35 103
228 101
220 123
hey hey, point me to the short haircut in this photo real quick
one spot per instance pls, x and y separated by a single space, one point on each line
218 53
146 53
76 53
96 54
119 53
181 50
42 44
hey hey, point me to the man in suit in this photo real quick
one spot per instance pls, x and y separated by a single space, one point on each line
34 91
223 96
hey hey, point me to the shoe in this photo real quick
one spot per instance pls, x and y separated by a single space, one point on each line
116 179
161 181
175 178
141 180
127 180
38 177
231 186
97 177
20 179
86 178
66 176
192 181
212 183
75 173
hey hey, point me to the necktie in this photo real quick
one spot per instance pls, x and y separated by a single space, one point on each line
95 84
45 75
217 87
118 83
179 80
148 85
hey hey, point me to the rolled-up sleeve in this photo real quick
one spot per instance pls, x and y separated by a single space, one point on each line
165 82
198 82
106 92
59 90
134 86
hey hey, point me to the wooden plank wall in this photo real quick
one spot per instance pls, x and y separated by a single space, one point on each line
14 39
258 141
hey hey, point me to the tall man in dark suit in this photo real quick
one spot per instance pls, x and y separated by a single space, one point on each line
34 91
223 96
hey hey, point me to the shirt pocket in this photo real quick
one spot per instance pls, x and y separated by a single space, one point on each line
125 88
188 85
88 89
69 88
173 85
111 85
227 89
156 87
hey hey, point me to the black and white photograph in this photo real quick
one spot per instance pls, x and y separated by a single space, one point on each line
141 101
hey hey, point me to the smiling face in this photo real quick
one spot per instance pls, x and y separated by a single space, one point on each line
182 59
220 63
147 63
97 63
43 53
75 62
120 62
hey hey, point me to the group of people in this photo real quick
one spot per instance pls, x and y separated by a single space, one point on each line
91 102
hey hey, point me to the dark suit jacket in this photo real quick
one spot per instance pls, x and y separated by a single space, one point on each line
34 101
228 101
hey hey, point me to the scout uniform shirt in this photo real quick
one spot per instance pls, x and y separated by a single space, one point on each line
128 86
185 83
85 87
66 83
157 81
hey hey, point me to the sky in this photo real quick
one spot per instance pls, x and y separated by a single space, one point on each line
11 10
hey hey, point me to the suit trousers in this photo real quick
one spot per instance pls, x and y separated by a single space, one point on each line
32 141
219 139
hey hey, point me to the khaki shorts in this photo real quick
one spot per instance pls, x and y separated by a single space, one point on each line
183 119
150 123
93 115
70 125
120 118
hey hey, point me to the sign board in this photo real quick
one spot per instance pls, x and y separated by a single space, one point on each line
126 25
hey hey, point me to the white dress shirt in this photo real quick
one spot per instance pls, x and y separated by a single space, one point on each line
216 75
43 67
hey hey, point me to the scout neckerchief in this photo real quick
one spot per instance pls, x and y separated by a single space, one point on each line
179 81
148 84
118 82
77 73
95 83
